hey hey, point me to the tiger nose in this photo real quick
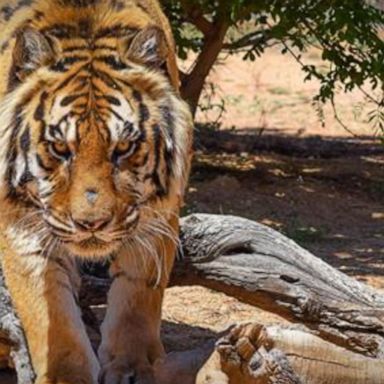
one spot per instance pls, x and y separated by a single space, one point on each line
92 225
91 195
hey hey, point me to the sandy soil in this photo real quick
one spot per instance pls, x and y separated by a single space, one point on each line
270 94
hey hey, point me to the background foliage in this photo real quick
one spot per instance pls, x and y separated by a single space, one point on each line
348 33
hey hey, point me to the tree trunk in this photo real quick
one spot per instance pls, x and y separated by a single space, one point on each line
340 339
193 83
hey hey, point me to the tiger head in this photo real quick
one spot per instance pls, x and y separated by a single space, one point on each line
98 140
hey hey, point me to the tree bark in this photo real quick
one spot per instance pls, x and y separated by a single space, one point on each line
340 338
193 83
13 347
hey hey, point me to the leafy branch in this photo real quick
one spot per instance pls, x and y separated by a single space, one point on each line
348 33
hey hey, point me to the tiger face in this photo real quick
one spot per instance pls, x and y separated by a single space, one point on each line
99 145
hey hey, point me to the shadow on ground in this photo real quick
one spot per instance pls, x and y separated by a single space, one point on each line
324 193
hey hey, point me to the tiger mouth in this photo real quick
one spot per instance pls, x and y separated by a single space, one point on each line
92 241
93 246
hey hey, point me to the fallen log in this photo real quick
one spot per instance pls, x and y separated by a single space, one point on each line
13 348
262 267
342 321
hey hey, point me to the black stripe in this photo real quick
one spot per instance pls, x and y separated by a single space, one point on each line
105 46
79 108
114 113
169 122
144 113
71 98
12 149
13 79
113 62
79 3
55 131
137 96
160 190
143 110
70 78
85 28
6 12
45 195
128 129
116 31
112 100
168 118
124 82
75 48
40 162
97 90
40 110
64 64
26 177
107 79
60 31
25 140
25 144
169 159
38 15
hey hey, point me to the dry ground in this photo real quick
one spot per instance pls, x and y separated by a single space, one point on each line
326 197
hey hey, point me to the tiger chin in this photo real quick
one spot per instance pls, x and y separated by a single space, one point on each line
96 146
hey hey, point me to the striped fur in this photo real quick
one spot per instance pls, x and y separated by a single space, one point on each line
90 91
95 156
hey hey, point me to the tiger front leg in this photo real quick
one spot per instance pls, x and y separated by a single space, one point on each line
131 328
43 293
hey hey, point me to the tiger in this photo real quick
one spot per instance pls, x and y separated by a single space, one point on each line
95 156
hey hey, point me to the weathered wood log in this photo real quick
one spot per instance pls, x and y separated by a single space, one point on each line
262 267
12 338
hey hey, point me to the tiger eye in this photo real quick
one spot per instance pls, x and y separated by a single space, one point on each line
60 149
123 147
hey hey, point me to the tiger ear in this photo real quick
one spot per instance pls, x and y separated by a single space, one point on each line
32 50
148 47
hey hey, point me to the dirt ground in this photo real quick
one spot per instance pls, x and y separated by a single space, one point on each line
326 193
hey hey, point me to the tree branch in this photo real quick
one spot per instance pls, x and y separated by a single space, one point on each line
195 16
193 83
256 38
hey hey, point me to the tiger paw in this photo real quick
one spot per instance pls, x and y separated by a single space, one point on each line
65 380
116 372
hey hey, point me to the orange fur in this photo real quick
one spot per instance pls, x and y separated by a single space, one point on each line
96 156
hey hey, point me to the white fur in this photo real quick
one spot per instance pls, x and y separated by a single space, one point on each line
20 168
115 126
